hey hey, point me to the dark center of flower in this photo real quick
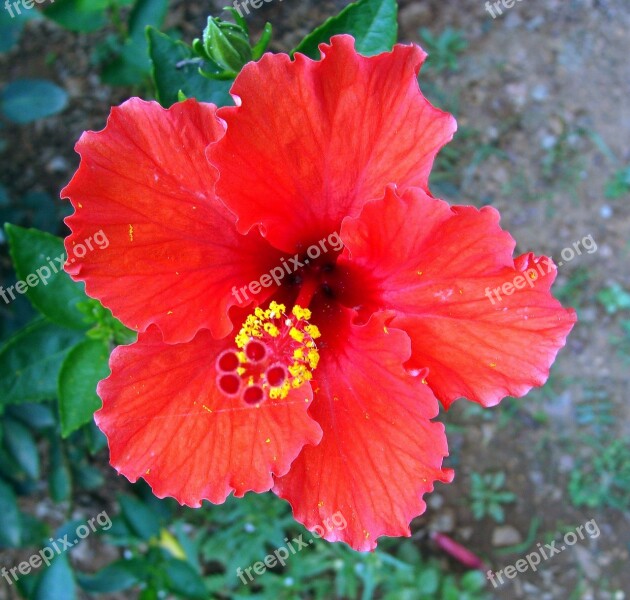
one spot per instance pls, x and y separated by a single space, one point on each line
275 353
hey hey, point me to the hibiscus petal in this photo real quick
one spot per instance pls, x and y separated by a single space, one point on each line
167 422
173 251
436 266
312 141
380 452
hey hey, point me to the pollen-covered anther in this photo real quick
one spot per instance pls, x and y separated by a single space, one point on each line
276 353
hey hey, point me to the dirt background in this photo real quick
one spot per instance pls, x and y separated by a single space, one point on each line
541 97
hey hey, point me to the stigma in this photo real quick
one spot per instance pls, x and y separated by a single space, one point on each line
275 353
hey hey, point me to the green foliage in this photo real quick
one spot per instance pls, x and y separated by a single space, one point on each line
618 185
176 69
41 256
604 479
614 298
373 23
487 496
10 522
85 365
31 359
124 57
82 15
444 49
26 100
573 292
11 27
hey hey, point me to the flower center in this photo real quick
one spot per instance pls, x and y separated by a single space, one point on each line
275 353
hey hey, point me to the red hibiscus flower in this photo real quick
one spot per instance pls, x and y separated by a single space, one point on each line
322 387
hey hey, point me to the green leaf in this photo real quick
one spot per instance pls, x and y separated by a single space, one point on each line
11 25
140 517
113 578
26 100
176 68
49 287
132 65
184 581
52 293
146 13
10 530
85 365
35 416
30 362
78 15
57 581
59 479
22 447
373 23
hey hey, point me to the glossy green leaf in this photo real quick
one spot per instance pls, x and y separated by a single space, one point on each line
10 529
85 365
184 581
38 258
132 66
11 25
35 416
78 15
146 13
113 578
57 581
26 100
21 446
59 479
372 23
31 359
176 68
142 520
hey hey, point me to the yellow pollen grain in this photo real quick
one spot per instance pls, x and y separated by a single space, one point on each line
268 441
301 313
493 365
296 334
131 233
271 329
80 205
313 358
206 408
277 309
313 331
